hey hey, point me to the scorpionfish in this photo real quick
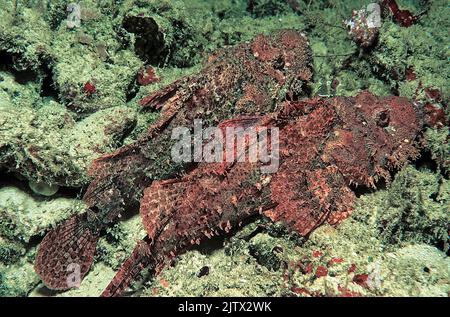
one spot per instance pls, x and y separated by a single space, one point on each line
326 148
247 79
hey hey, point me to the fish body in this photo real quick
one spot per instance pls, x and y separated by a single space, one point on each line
248 79
326 148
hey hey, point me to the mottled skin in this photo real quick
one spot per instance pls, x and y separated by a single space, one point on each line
248 79
324 146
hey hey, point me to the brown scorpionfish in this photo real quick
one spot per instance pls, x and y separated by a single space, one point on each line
325 145
248 79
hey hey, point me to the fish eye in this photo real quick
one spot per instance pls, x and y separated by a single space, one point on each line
382 118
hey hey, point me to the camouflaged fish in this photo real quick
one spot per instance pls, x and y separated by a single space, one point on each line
248 79
326 147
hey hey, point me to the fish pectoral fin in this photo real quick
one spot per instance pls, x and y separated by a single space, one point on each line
157 99
306 200
158 204
66 253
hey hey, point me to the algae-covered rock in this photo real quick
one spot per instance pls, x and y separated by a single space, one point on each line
266 256
415 270
47 145
119 241
180 33
216 274
414 208
438 142
15 93
10 251
93 74
94 284
261 8
420 48
38 38
17 279
24 36
23 216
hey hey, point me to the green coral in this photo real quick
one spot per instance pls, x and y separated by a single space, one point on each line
23 216
415 208
17 279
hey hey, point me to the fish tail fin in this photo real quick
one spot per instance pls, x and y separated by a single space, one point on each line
66 253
